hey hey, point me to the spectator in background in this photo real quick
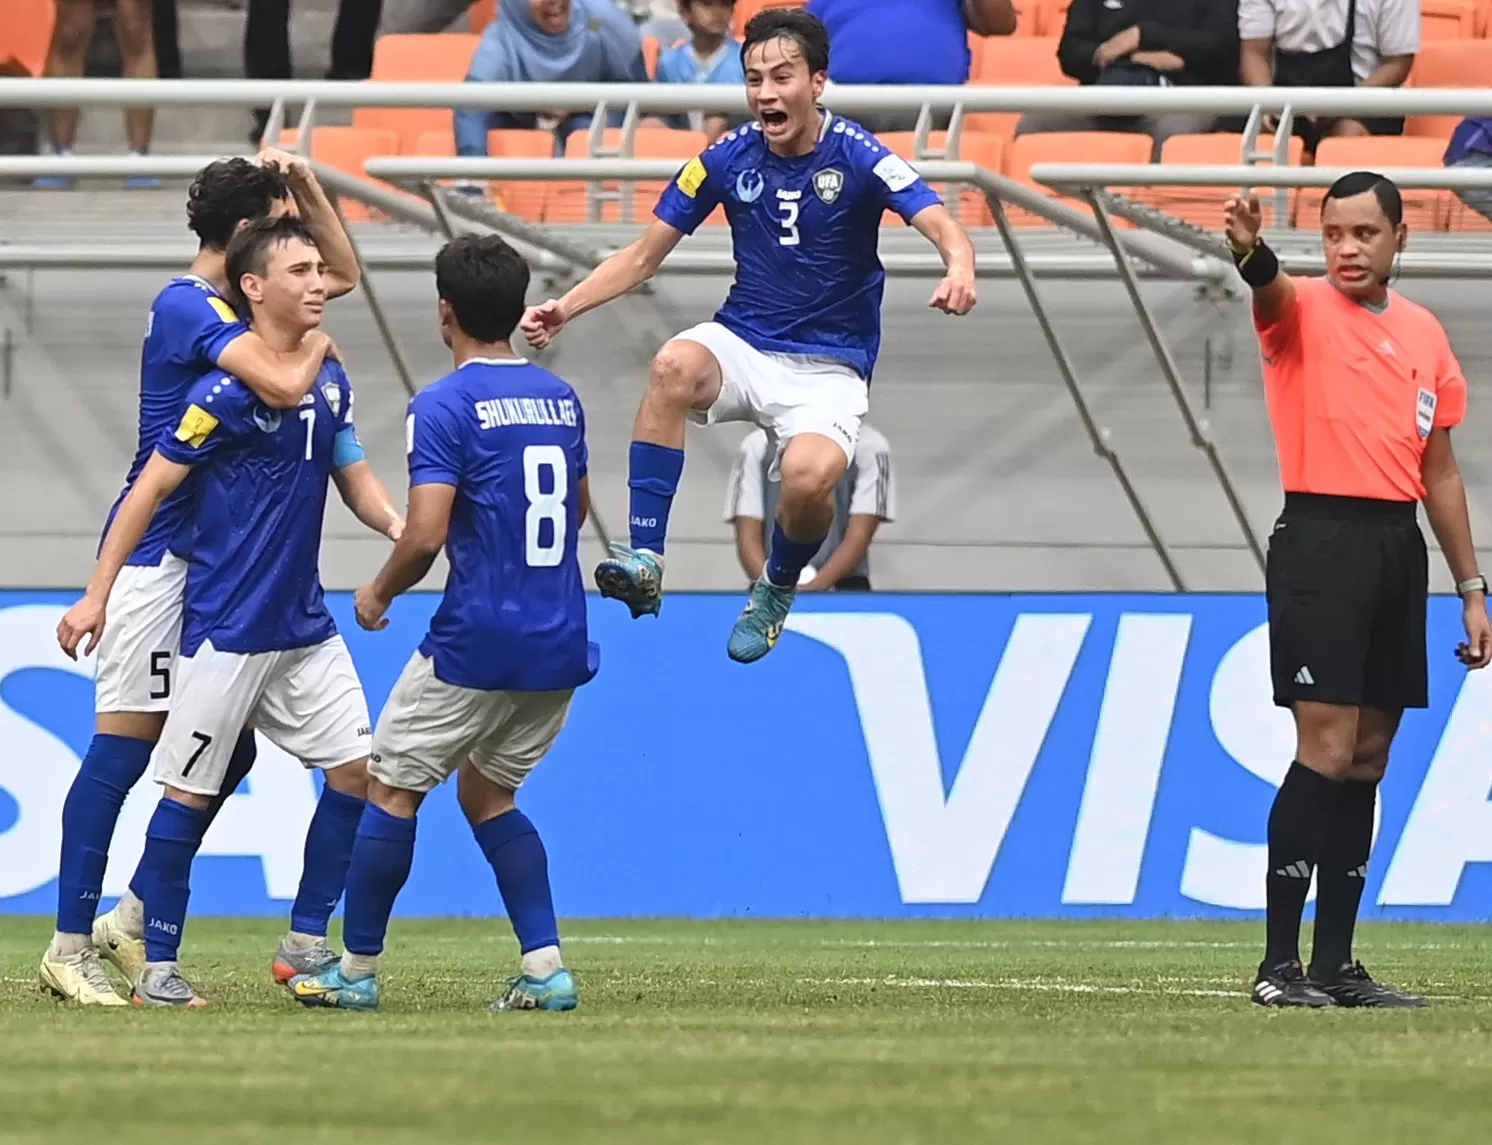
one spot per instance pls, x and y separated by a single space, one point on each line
864 499
906 42
1471 146
266 44
1144 43
549 41
710 55
1329 43
71 35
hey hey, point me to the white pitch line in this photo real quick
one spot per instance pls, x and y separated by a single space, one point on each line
1019 984
978 944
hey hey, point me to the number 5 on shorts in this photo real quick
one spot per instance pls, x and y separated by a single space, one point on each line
204 741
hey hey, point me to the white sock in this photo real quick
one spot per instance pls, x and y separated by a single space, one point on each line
295 940
68 945
543 962
130 912
356 966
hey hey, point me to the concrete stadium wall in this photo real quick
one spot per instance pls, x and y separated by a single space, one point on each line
999 489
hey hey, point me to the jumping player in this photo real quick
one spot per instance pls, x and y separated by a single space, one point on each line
258 647
793 348
497 477
191 329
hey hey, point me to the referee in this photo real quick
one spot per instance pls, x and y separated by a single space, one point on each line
1363 391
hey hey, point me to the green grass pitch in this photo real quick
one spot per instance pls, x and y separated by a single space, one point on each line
763 1032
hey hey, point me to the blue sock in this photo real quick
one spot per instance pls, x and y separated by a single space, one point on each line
788 558
171 844
653 477
239 766
516 853
381 858
113 765
329 842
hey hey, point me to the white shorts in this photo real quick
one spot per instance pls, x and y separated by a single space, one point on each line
785 394
142 632
307 701
429 728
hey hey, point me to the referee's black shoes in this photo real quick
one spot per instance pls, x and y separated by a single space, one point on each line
1286 984
1352 985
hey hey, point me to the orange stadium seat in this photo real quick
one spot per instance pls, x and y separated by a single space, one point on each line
1203 206
1447 19
347 149
441 58
569 203
1483 16
1027 17
988 151
26 37
482 13
745 9
1423 210
651 50
1448 63
1015 61
1052 17
525 198
976 53
1069 147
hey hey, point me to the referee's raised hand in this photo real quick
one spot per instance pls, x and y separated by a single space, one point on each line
1242 220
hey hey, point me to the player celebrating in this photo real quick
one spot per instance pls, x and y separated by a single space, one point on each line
497 475
794 345
259 648
191 328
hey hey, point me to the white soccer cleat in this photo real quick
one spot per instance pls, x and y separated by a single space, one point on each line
79 978
115 943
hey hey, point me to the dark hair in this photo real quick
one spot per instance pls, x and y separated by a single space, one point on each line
1360 183
806 30
226 193
485 281
248 251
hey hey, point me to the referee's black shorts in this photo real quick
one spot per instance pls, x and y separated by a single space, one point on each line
1346 581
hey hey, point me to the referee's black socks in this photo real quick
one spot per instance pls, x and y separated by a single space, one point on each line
1341 872
1305 803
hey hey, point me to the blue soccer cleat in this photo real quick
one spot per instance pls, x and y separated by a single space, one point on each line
333 989
759 626
633 577
557 992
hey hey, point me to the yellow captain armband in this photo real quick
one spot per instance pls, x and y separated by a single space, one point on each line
196 425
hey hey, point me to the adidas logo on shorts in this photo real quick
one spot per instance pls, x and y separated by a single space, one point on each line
1303 676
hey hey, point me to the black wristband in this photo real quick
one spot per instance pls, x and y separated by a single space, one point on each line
1258 265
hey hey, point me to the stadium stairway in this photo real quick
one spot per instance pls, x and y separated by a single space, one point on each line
999 488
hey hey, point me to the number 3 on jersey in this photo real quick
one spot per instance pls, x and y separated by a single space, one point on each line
789 221
544 506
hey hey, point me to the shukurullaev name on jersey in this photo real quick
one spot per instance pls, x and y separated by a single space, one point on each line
805 230
510 437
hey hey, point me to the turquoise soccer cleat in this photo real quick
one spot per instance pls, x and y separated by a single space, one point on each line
759 626
557 992
633 577
331 988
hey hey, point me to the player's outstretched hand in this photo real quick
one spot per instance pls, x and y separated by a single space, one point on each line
1242 218
369 608
86 618
956 294
541 323
1477 651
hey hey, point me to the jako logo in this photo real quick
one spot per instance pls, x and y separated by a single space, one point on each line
645 522
159 924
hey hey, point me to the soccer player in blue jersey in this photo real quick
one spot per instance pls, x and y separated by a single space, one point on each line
793 347
497 476
258 647
190 329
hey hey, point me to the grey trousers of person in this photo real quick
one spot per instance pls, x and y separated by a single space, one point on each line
1158 127
1479 199
401 17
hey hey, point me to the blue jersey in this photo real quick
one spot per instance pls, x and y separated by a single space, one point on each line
510 437
254 581
188 327
682 64
805 229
